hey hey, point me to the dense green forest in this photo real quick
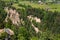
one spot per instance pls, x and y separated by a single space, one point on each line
49 27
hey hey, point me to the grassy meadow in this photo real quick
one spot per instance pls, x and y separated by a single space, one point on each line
51 7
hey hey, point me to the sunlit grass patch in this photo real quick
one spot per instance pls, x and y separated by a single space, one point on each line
52 7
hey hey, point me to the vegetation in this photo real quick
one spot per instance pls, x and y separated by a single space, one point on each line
50 21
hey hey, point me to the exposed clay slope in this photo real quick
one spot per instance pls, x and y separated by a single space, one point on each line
13 15
37 20
1 31
7 30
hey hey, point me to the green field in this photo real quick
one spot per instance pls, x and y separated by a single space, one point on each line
52 7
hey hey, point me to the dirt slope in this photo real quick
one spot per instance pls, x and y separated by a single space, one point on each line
13 15
37 20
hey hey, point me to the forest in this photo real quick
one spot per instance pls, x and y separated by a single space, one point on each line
29 20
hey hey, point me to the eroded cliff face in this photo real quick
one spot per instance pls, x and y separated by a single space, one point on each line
7 30
13 15
31 18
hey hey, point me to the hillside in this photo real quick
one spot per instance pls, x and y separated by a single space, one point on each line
26 20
